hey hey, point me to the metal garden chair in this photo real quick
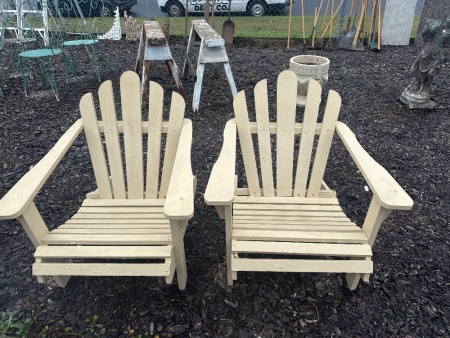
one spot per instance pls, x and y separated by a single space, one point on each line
44 53
81 24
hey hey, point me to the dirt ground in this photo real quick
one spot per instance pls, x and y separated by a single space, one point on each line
408 293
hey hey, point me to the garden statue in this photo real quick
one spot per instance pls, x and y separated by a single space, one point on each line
427 64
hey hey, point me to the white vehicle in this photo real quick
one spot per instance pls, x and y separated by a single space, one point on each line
252 7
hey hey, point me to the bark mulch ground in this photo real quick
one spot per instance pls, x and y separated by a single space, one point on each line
408 293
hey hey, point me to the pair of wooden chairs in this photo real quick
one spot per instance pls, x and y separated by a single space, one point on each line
133 224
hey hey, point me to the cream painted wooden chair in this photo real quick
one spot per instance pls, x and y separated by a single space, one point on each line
133 224
297 225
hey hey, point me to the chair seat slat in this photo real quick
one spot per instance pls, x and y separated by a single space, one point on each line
109 231
122 202
311 226
101 269
313 249
121 210
107 239
133 252
114 222
303 265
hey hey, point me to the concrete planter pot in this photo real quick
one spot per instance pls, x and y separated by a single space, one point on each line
308 67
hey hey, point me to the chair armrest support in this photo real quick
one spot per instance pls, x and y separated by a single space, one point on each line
180 194
384 187
17 199
220 188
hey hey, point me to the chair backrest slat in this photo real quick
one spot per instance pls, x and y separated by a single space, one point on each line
286 108
173 136
156 98
245 139
94 141
307 138
108 111
265 149
132 129
324 145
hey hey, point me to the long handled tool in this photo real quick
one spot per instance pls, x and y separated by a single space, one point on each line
289 25
341 20
228 28
379 25
350 15
375 42
330 23
186 14
362 32
332 18
303 23
372 23
358 29
325 16
345 41
206 13
312 36
212 13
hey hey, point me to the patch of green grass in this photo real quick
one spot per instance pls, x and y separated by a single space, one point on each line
15 323
272 27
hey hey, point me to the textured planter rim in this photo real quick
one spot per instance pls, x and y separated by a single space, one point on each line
306 60
308 67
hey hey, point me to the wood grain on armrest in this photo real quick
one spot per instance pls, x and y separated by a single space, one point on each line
220 188
390 194
22 193
180 195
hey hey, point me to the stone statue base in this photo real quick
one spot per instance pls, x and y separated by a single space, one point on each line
414 101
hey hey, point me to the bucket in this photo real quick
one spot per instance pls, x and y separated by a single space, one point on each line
308 67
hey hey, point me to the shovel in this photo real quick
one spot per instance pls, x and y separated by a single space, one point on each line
374 43
228 29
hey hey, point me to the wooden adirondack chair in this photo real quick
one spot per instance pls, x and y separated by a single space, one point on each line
140 225
302 218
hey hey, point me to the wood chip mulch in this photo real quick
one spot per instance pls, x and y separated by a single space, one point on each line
408 293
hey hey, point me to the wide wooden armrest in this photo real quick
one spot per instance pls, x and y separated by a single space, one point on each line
22 193
383 185
221 183
180 194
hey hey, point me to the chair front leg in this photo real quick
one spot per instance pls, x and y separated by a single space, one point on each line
231 275
178 228
372 223
33 224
